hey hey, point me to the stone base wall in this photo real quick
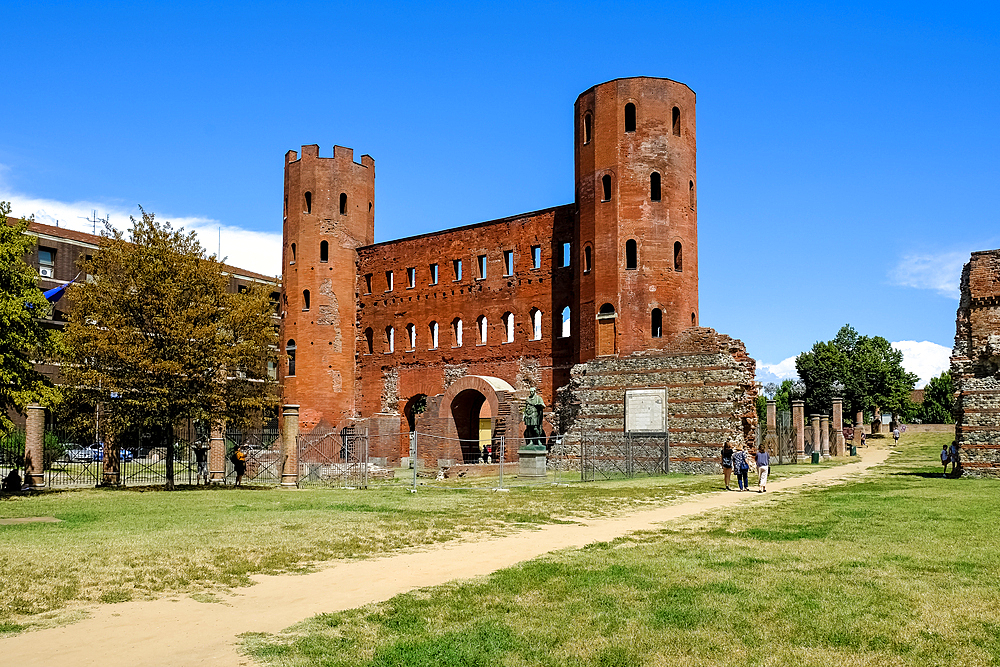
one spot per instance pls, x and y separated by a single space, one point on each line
710 398
975 366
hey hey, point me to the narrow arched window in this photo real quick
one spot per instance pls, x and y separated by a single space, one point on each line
587 122
536 324
694 320
305 299
411 335
343 203
481 323
691 194
369 340
630 117
586 259
309 202
678 256
656 323
324 251
293 254
508 327
606 309
606 183
290 351
434 335
456 327
285 209
390 339
631 254
565 322
654 186
676 122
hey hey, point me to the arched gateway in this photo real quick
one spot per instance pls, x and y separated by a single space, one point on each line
475 412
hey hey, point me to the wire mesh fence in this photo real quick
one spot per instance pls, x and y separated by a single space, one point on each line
623 456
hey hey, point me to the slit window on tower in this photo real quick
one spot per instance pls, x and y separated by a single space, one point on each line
631 254
694 320
309 202
678 256
343 203
305 299
369 340
630 117
587 128
565 322
285 210
586 259
293 254
691 194
654 186
606 183
290 351
677 122
324 251
656 323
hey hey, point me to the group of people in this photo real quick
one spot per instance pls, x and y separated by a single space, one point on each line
740 460
951 455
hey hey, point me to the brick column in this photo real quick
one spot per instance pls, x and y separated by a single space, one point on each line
771 436
217 455
859 427
815 433
34 447
799 422
824 436
290 446
837 446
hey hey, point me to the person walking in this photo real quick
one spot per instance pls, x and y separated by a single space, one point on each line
239 464
742 467
727 464
201 457
945 459
763 467
956 459
895 436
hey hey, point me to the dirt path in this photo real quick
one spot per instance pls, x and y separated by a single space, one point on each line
182 631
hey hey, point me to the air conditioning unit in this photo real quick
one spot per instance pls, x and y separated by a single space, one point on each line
45 272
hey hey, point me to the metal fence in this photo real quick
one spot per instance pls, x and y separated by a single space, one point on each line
605 457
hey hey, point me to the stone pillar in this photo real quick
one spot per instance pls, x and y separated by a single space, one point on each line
34 447
837 446
290 446
217 455
771 436
824 436
799 423
816 447
859 427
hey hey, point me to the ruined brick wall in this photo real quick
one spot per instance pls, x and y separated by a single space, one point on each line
975 366
710 397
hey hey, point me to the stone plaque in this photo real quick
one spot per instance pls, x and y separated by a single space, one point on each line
645 410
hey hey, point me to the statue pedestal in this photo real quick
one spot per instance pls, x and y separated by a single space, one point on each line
531 464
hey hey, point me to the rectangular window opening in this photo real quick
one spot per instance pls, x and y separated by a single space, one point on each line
566 257
388 281
411 278
481 264
536 256
457 265
368 283
434 274
508 262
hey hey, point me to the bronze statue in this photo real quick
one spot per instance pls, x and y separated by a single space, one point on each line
533 433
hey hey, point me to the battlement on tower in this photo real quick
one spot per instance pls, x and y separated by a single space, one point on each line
340 154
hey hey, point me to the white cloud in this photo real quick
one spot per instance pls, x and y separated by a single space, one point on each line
941 273
259 252
783 370
924 358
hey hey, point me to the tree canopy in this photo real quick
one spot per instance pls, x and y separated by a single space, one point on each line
25 338
156 336
939 401
866 371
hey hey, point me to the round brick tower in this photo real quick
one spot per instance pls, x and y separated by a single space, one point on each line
329 211
636 192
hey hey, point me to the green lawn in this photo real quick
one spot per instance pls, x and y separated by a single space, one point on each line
898 569
117 545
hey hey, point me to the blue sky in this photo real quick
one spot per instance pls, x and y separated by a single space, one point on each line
847 153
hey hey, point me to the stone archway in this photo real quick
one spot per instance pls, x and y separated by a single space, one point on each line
469 411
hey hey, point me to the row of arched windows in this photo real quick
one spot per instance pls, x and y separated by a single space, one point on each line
343 203
630 122
655 189
457 327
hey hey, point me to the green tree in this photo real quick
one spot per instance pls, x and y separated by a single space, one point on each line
866 371
939 401
24 337
156 336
